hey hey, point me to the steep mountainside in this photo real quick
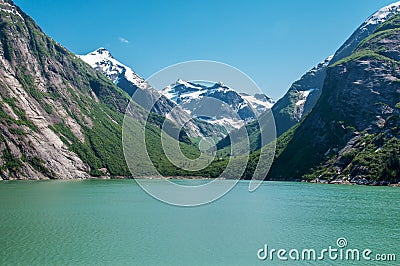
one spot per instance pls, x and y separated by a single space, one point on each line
300 98
304 93
59 117
366 29
352 134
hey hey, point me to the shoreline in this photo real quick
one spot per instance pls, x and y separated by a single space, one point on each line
315 181
362 182
116 178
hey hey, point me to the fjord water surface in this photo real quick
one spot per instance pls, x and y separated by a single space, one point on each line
115 222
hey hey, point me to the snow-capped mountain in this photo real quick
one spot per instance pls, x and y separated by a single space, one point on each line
183 91
102 60
125 78
366 28
305 92
383 14
192 98
217 103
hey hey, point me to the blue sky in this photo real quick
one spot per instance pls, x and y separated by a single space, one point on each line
274 42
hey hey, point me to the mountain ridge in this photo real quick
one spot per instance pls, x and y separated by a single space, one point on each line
354 141
286 112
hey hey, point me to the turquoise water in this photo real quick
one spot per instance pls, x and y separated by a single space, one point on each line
115 222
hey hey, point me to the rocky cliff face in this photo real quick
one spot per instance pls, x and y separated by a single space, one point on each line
300 98
59 117
352 134
305 92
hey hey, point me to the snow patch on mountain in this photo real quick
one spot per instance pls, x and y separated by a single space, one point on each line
303 96
10 9
259 102
102 60
183 91
366 29
383 14
235 108
227 122
321 65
